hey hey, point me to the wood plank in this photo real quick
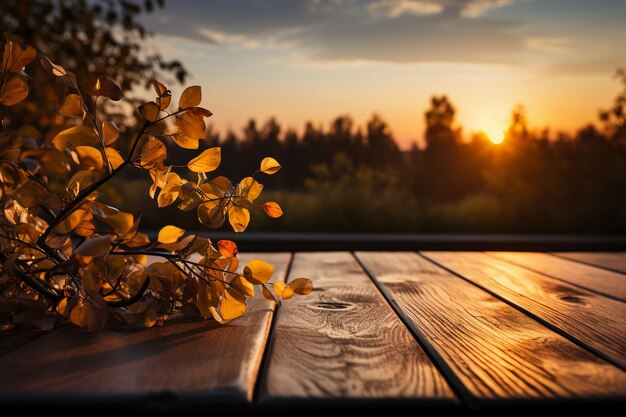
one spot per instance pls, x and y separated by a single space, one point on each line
608 283
491 352
615 261
13 339
595 321
198 360
344 341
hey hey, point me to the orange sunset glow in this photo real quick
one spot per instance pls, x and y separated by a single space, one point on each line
313 60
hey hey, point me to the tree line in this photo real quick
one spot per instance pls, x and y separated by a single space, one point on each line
529 183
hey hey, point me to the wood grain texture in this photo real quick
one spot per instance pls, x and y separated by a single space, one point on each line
595 321
13 339
197 360
615 261
344 342
496 352
608 283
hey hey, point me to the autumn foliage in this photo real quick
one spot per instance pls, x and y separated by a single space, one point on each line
67 256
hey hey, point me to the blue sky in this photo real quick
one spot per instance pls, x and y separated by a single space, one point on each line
304 60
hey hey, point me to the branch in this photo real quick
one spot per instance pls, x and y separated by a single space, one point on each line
69 209
33 282
134 298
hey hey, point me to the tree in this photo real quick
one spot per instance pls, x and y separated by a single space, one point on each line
614 118
382 150
518 126
439 123
90 38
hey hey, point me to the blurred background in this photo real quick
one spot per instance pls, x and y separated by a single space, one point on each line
388 116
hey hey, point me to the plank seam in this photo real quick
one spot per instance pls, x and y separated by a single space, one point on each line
462 393
269 345
580 261
603 294
533 316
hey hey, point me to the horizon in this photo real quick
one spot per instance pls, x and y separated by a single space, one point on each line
313 60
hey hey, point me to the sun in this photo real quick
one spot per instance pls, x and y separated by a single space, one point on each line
495 136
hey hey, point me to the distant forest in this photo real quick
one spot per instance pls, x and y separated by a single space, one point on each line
351 179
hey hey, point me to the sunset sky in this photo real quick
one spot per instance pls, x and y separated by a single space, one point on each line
302 60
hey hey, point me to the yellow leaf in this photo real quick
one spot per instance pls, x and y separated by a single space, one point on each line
110 133
170 234
73 106
191 97
62 306
153 153
269 166
121 222
85 228
79 181
239 218
282 290
90 157
243 285
205 299
258 272
207 161
149 111
95 248
233 304
249 189
301 286
191 125
186 142
168 195
272 209
114 157
90 313
76 136
13 91
72 221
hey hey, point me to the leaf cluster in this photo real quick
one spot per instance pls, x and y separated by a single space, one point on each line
68 256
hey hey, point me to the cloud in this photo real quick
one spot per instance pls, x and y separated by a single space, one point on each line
606 65
478 8
553 45
398 31
393 9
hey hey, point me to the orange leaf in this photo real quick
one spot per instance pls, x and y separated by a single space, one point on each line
13 91
207 161
227 248
90 157
272 209
73 106
191 97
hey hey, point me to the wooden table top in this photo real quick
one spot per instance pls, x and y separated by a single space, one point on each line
455 329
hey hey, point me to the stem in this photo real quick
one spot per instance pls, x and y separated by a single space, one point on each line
94 119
